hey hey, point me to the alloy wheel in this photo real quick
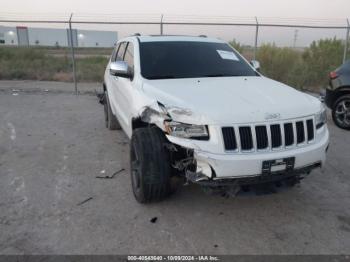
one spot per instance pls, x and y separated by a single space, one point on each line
342 112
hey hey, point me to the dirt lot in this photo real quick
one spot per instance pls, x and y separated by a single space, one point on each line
53 144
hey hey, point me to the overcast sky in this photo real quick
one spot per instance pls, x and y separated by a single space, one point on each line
270 8
329 9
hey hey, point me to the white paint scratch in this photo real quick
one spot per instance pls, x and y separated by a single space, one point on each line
63 178
18 183
12 130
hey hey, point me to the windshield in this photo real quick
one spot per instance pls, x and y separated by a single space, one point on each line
186 59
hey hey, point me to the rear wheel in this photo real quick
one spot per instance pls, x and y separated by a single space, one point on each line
341 112
110 119
149 165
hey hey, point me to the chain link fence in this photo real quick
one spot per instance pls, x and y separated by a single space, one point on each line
86 40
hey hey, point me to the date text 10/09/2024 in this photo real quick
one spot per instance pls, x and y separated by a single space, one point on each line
173 258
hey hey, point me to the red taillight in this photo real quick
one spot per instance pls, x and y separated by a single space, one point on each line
333 75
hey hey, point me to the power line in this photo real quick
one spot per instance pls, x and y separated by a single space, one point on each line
172 19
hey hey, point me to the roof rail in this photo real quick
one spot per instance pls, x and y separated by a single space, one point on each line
166 35
137 34
202 36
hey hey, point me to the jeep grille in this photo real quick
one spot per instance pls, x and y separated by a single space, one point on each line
248 138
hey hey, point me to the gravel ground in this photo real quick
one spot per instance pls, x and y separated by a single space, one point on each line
53 144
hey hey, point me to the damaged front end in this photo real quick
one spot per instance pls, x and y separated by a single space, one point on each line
186 141
182 158
174 123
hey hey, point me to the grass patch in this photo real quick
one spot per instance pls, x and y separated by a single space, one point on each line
303 69
306 69
91 68
39 64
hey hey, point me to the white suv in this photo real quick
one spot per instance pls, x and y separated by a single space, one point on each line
194 108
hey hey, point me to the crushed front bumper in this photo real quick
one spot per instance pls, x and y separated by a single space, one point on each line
249 166
298 174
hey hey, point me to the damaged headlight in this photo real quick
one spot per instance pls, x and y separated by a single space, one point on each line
321 118
186 130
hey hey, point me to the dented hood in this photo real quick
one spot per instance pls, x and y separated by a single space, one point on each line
229 100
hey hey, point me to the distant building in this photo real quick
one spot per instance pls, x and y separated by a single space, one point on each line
26 36
22 36
8 36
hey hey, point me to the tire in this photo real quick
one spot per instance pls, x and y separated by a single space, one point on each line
341 112
110 119
150 165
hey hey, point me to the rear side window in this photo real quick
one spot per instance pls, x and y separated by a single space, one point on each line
121 51
129 55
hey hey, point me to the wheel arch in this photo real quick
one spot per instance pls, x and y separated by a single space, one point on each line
137 122
341 91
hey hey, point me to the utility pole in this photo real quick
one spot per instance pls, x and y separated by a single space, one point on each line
295 37
161 25
256 37
346 40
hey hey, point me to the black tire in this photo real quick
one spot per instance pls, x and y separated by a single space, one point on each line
110 119
341 112
149 165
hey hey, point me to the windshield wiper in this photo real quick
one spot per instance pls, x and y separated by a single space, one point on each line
161 77
218 75
214 75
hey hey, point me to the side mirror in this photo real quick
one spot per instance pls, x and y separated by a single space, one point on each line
255 64
120 68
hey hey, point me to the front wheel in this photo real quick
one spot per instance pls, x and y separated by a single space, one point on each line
341 112
149 165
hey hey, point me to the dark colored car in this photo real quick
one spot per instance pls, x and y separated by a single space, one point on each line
338 95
